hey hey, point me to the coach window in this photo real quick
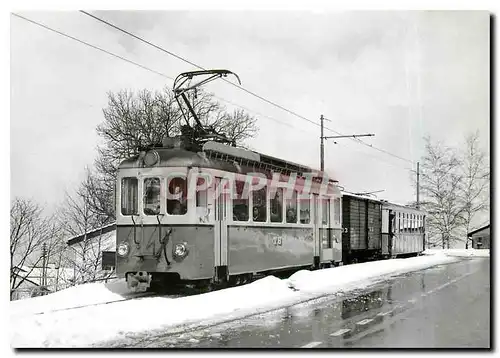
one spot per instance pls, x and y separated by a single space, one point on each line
291 207
151 196
129 196
177 196
336 211
259 207
240 202
201 193
399 223
325 210
276 203
201 199
305 211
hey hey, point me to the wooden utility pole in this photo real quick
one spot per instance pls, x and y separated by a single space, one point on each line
418 185
44 263
322 146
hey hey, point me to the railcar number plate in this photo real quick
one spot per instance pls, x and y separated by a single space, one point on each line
277 241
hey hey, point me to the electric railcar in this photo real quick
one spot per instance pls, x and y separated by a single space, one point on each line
221 215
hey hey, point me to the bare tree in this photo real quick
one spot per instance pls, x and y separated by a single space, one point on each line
476 175
29 230
98 189
237 126
133 121
440 183
79 215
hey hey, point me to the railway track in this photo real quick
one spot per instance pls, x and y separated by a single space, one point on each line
125 298
174 292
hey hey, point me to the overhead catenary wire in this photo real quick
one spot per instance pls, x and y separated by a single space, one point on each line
93 46
231 83
141 66
171 78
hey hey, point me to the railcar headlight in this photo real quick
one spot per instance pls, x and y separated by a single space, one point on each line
123 249
180 250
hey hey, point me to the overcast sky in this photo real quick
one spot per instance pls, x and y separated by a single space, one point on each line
400 75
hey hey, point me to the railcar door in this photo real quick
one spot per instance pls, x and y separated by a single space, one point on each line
220 229
325 230
387 225
316 222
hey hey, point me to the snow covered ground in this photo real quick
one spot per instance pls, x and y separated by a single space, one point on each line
85 326
459 252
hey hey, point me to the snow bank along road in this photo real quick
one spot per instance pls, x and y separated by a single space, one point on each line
95 324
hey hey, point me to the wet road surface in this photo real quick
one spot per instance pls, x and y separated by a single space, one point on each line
446 306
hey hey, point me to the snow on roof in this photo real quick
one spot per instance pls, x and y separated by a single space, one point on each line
478 229
91 234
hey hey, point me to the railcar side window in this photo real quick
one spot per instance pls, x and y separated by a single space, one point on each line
291 208
325 211
336 211
240 202
201 199
259 206
277 206
129 196
177 196
305 211
151 196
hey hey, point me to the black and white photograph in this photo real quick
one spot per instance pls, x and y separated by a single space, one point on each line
206 179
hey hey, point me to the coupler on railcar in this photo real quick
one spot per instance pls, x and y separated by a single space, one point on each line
138 281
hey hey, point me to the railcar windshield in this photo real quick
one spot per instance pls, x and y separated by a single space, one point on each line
151 196
177 196
129 194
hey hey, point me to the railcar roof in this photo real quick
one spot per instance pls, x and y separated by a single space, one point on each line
402 207
176 157
362 197
179 157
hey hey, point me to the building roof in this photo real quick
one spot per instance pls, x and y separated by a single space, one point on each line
477 230
91 234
